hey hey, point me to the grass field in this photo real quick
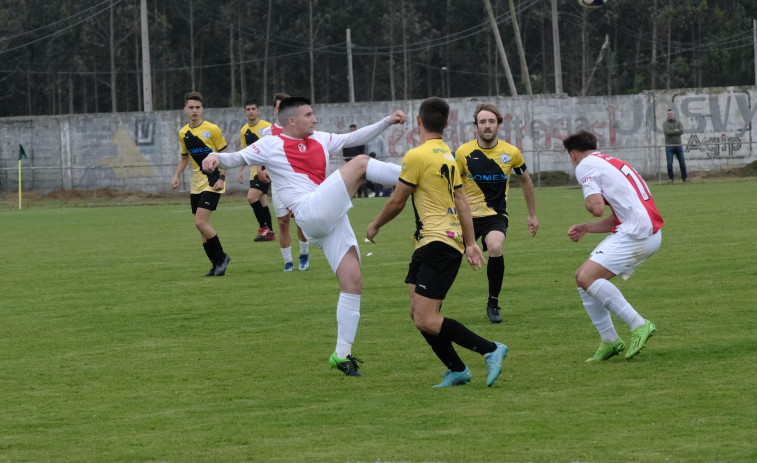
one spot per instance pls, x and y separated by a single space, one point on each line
114 349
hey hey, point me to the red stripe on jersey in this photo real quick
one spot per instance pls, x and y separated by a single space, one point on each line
276 130
638 184
306 156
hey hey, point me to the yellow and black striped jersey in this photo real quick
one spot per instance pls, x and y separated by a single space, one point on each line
249 135
197 143
432 171
486 175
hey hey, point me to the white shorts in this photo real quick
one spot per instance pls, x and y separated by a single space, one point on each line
323 219
278 208
621 254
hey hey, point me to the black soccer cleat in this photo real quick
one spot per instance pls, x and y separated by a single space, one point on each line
492 311
347 366
211 273
220 269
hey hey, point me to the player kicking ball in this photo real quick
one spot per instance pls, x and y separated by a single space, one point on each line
635 235
297 162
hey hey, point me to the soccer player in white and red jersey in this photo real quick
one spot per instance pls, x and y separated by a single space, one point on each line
297 162
634 224
283 216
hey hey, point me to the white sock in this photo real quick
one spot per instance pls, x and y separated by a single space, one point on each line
612 299
381 172
304 247
599 316
347 317
286 253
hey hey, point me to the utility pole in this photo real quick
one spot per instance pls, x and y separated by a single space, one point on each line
349 67
146 69
501 48
521 53
556 49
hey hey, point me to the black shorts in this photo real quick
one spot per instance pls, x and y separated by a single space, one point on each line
433 269
259 184
205 200
483 225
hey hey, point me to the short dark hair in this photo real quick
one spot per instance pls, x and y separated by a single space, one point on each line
192 96
580 141
279 96
288 104
434 112
353 125
487 107
251 101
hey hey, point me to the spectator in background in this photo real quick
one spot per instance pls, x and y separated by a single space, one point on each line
377 149
673 130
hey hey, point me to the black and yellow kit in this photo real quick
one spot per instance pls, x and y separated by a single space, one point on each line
197 143
432 171
485 173
249 135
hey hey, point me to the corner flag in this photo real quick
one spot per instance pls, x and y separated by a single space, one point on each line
21 155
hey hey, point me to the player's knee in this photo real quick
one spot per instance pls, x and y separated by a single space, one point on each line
582 280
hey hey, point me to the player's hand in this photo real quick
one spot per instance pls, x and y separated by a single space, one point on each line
576 232
533 225
263 176
398 117
240 176
371 232
175 182
210 163
219 185
475 256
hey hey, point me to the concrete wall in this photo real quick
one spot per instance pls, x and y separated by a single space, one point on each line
139 151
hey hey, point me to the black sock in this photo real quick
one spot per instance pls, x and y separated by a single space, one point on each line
208 253
456 332
257 208
216 250
445 351
495 271
267 216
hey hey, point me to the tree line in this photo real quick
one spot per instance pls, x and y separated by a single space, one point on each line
84 56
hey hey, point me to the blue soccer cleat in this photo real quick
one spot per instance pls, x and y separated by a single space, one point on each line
455 378
304 261
494 362
288 267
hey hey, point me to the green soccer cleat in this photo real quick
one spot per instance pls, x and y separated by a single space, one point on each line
640 337
455 378
607 350
347 366
494 362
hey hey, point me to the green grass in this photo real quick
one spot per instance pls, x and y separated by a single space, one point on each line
114 349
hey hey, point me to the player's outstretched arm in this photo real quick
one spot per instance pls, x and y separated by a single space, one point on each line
391 209
365 134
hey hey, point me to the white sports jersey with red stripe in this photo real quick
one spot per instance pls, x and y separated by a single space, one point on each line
623 190
273 129
297 166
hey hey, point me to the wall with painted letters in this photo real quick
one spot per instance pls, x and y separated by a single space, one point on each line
140 151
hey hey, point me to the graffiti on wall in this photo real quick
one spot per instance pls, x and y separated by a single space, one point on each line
714 147
129 161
